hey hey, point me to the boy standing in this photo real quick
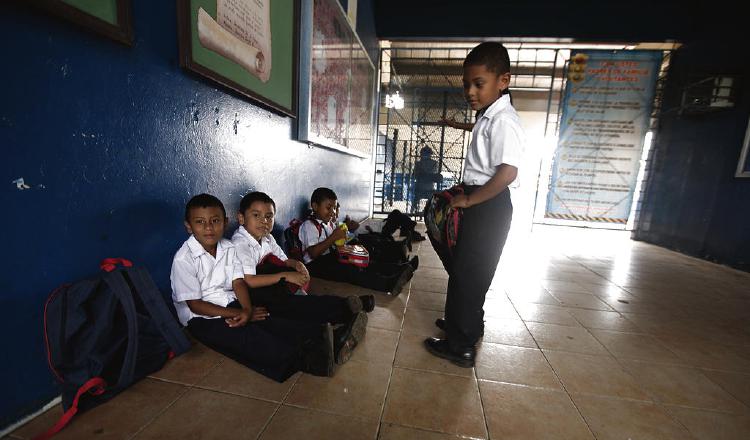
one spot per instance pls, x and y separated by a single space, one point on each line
211 299
491 166
267 270
318 235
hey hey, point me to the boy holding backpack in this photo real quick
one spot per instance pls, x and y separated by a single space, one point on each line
212 300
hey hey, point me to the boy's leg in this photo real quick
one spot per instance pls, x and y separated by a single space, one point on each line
484 229
327 268
251 345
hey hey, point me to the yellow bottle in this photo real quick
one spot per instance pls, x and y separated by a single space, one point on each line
342 241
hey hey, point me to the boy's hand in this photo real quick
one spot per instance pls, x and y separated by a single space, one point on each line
296 278
352 225
460 201
240 319
259 313
301 269
338 234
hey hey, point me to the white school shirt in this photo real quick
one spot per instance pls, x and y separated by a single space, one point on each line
497 138
196 274
250 252
309 235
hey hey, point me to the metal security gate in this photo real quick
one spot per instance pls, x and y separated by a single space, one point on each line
416 154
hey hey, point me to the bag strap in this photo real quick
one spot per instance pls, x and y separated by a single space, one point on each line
144 286
122 291
94 386
46 334
110 264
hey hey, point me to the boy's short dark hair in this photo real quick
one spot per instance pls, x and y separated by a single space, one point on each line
492 55
255 196
321 194
203 201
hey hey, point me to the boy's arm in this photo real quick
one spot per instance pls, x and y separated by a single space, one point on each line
248 312
270 279
467 126
205 308
316 250
504 175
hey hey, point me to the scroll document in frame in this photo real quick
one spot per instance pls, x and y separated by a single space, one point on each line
241 33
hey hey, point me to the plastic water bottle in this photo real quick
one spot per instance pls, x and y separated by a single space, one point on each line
342 241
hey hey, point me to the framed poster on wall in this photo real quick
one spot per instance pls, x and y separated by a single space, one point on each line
249 46
337 82
110 18
743 167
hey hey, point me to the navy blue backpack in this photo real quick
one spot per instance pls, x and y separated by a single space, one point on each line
105 333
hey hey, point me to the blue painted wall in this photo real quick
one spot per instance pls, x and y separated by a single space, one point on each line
693 202
112 142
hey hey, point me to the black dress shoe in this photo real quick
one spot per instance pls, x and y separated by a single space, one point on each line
439 347
347 336
440 323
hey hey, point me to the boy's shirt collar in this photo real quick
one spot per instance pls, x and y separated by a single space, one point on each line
196 249
499 105
243 232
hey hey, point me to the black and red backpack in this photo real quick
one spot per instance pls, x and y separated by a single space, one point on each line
105 333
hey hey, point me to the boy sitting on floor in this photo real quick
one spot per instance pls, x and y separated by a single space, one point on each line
212 300
267 271
318 235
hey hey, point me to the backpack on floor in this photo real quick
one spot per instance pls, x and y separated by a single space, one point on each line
397 220
384 248
105 333
441 221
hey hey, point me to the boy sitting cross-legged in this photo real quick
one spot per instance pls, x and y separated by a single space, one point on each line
268 271
211 299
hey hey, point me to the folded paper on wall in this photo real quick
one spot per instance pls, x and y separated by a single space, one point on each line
241 33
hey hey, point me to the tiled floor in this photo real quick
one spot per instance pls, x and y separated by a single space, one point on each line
589 336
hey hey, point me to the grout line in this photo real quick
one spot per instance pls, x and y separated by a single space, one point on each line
159 413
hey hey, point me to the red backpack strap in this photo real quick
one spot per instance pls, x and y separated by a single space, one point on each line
110 264
95 386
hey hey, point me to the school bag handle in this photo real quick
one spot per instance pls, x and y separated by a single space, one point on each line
110 264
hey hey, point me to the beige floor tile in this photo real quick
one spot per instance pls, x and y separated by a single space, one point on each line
615 419
537 296
190 367
141 402
508 332
710 355
427 300
234 378
499 307
581 300
506 363
561 337
206 414
412 354
357 389
547 314
678 385
516 412
565 286
635 346
709 425
436 402
601 319
431 272
602 375
421 322
439 285
392 302
388 318
378 346
736 384
389 431
290 423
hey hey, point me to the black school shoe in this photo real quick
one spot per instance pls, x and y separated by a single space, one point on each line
348 336
319 359
440 348
414 262
440 323
360 303
402 279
